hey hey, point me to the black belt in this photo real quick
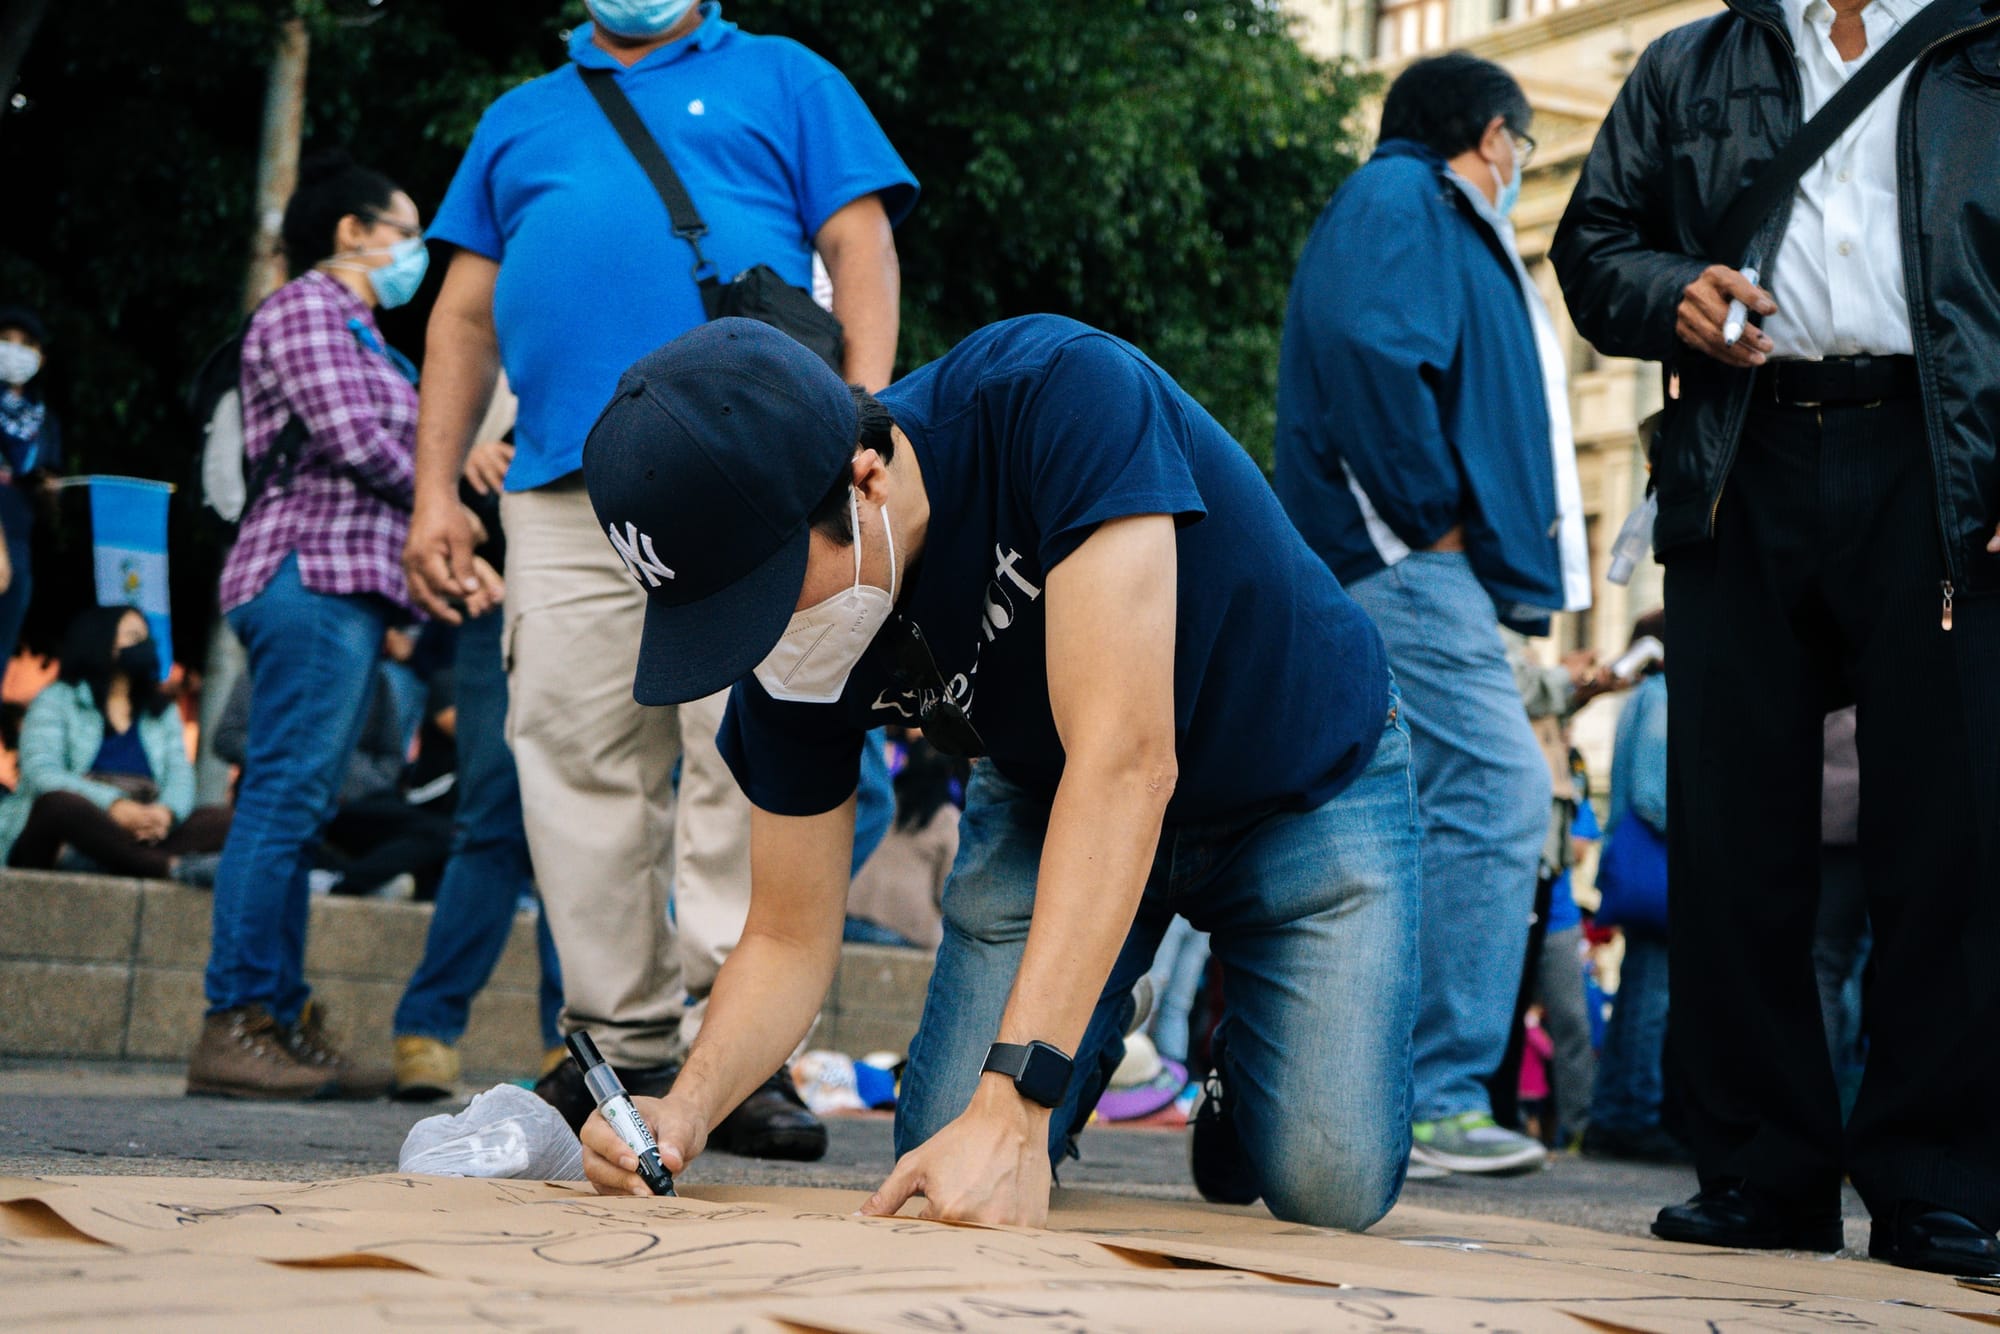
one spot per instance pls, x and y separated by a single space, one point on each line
1838 381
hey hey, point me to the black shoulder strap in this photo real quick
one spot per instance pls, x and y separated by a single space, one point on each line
1775 183
624 118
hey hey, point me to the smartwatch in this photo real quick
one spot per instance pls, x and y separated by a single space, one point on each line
1040 1072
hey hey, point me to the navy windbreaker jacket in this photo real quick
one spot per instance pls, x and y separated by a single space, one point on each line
1409 375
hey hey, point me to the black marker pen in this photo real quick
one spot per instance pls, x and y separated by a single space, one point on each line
612 1100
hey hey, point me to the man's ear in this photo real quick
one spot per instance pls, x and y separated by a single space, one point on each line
1493 145
871 476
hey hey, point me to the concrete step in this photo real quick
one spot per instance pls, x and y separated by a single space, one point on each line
99 967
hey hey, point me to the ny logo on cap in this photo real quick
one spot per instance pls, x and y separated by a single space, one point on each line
636 550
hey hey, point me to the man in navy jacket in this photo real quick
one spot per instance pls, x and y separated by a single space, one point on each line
1424 450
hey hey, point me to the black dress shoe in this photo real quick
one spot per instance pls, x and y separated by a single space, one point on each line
772 1123
563 1088
1921 1236
1741 1216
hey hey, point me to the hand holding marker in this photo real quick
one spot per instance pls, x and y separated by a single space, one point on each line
1737 318
618 1111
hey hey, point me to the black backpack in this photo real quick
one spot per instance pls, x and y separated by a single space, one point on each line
227 487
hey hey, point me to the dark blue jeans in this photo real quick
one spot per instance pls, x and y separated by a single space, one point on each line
1630 1086
489 869
312 672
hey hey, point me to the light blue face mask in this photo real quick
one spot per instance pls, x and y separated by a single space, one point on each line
398 280
638 18
1510 193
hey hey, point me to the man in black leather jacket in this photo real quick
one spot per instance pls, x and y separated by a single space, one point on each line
1829 492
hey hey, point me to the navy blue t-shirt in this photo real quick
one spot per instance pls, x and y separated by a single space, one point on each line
1029 434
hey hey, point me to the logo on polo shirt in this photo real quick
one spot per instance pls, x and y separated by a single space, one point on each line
636 550
697 108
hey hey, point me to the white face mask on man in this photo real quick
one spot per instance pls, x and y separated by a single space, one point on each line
823 644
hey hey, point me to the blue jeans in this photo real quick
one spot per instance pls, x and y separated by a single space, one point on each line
489 870
1313 915
1485 791
1630 1086
1177 972
312 663
874 801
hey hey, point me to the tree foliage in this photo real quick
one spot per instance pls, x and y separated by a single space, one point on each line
1148 167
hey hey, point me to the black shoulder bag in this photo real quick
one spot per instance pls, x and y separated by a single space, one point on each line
1774 185
757 293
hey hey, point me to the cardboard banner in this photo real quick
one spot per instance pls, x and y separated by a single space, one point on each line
435 1252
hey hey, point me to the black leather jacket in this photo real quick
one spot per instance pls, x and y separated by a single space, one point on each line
1705 107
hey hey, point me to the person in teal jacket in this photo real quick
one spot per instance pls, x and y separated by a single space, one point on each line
104 763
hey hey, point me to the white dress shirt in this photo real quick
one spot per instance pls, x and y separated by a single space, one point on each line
1838 276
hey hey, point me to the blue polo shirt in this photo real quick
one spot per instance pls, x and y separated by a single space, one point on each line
1028 435
770 141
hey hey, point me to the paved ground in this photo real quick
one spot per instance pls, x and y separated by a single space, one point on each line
70 1119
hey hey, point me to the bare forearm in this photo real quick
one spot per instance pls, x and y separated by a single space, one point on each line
776 978
763 1003
461 366
1104 828
860 257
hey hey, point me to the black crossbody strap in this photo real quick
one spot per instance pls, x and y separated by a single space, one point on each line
624 118
1774 184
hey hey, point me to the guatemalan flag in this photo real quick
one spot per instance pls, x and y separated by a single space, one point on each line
128 533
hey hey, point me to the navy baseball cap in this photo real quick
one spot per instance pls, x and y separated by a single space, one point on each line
703 469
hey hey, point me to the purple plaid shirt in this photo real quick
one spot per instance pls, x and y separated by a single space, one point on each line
346 510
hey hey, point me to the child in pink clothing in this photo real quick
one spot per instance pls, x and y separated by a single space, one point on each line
1537 1050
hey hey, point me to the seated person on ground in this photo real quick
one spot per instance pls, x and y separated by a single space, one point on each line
104 764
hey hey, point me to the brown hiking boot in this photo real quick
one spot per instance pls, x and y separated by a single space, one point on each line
314 1049
243 1053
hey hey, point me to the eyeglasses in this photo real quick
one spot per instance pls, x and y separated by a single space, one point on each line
945 725
379 220
1524 152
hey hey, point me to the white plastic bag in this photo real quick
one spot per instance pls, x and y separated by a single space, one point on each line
504 1132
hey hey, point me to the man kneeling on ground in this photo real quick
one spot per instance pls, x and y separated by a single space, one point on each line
1042 551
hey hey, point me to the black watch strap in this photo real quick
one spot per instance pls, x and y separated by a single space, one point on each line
1040 1072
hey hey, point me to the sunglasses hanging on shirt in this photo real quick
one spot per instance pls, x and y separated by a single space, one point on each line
945 725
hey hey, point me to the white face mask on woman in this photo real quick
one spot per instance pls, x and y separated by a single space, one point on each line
823 644
18 363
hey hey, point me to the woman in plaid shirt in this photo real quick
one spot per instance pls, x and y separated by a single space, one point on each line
312 583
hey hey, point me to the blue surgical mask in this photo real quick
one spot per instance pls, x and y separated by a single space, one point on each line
398 280
1510 192
638 18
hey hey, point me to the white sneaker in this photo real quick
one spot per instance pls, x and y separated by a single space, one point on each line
1419 1170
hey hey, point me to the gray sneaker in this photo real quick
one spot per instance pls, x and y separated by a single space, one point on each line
1474 1142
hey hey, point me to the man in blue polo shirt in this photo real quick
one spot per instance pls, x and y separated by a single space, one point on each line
567 269
1038 549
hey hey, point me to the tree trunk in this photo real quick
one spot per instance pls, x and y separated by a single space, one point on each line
18 21
278 158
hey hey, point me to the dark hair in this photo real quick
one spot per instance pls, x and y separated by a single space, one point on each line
1446 102
26 319
331 187
830 516
923 784
88 658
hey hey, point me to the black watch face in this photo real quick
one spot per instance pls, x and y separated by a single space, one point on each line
1045 1079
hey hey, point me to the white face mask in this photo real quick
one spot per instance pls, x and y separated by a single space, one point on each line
823 644
18 363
